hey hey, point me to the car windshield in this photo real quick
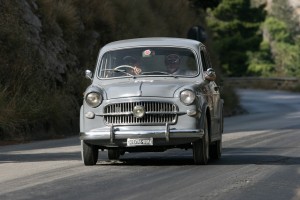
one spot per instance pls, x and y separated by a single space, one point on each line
151 61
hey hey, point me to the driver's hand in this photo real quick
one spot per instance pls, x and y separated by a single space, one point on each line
137 70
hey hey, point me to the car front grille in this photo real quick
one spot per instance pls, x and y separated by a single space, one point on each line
155 113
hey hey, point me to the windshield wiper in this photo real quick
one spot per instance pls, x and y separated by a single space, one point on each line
158 72
118 70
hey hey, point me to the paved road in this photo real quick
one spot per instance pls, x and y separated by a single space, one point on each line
260 161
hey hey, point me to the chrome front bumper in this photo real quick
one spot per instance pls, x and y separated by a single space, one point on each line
118 133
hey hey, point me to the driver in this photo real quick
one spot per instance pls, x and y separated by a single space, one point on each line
133 62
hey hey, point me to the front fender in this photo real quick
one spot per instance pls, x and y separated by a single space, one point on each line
204 111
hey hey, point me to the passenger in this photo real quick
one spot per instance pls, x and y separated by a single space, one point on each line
175 66
172 62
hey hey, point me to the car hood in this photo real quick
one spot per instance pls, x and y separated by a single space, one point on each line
142 89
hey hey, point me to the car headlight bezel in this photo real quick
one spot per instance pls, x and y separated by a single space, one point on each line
93 99
187 97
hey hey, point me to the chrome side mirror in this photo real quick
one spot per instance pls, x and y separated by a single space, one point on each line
210 74
89 74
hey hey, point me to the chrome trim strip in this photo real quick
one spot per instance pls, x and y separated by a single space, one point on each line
167 132
124 134
130 113
112 134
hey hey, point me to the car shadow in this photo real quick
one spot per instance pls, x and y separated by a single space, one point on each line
225 160
258 156
231 156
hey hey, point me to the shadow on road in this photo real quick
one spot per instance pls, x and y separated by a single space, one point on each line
40 157
225 160
231 156
258 156
258 160
150 162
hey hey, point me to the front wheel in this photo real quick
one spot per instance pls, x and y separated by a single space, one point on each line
201 148
89 153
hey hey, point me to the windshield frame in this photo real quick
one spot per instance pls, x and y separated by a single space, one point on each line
163 73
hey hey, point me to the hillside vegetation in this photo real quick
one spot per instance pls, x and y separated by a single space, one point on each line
257 37
45 46
278 55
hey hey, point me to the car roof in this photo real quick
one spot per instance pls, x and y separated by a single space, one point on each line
152 41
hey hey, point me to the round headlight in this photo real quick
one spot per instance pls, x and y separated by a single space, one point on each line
187 97
93 99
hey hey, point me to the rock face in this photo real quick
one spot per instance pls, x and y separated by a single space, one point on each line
54 51
296 6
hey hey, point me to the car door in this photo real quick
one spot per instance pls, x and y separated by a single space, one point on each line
213 97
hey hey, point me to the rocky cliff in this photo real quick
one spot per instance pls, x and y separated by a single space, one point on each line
57 55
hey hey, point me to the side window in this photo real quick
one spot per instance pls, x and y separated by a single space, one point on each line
203 60
207 59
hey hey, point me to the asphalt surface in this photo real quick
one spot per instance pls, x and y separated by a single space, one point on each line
260 161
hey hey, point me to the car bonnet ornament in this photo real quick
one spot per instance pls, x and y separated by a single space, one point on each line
138 111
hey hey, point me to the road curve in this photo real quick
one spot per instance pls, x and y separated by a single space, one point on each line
260 161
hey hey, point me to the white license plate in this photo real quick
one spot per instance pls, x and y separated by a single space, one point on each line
139 142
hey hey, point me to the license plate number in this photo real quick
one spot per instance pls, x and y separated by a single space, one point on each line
139 142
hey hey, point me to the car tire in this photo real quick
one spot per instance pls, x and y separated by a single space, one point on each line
89 153
216 150
201 148
113 154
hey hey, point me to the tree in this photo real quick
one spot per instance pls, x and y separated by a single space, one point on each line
261 62
279 53
235 26
283 11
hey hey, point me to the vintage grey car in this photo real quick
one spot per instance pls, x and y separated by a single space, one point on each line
150 95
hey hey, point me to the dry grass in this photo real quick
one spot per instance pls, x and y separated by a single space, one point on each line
60 16
95 13
25 90
145 18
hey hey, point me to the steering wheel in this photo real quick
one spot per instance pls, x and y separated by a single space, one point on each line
124 66
135 70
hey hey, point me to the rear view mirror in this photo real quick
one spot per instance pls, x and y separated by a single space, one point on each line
89 74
